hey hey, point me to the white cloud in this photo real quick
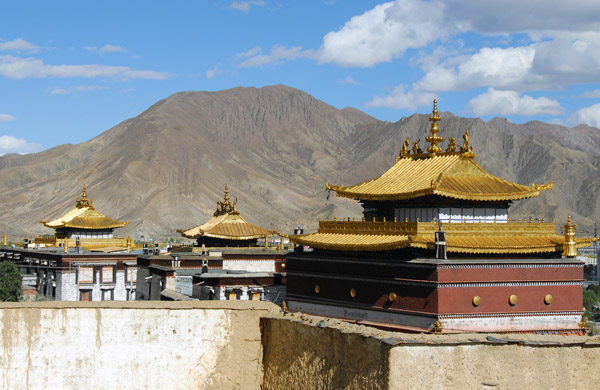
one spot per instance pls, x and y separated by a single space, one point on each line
19 44
10 144
6 117
348 80
589 115
401 98
78 88
108 48
384 33
492 67
20 68
212 73
277 55
591 94
244 6
495 102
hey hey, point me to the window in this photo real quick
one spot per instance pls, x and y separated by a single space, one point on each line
256 296
232 296
108 274
130 274
85 295
86 274
107 295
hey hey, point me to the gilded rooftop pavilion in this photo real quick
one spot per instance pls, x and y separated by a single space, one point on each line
486 272
226 228
87 226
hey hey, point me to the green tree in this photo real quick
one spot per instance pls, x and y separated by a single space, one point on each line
11 288
589 300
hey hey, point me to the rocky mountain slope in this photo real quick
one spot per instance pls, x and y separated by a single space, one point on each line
275 147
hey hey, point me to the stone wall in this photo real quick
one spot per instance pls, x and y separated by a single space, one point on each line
252 345
303 352
133 345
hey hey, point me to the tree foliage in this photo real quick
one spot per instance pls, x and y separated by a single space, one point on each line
589 300
11 288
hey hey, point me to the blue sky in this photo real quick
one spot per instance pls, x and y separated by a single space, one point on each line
70 70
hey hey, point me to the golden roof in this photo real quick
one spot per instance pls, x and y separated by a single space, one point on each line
451 174
473 238
84 216
226 223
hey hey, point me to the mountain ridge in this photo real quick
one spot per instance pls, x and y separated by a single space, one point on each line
276 147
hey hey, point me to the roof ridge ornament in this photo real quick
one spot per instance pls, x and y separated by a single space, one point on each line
84 201
226 207
434 139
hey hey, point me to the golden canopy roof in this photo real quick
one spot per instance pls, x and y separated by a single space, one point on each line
84 216
473 238
452 173
226 223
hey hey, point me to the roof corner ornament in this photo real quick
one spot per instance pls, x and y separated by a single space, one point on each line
569 246
466 148
452 146
405 152
416 148
434 139
543 187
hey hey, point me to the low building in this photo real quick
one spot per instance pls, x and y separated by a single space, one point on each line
214 274
75 274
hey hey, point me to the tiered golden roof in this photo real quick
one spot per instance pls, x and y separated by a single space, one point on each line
84 216
226 223
452 174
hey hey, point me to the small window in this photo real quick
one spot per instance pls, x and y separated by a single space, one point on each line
232 296
131 274
256 296
85 295
107 295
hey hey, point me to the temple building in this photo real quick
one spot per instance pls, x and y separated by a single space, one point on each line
85 227
226 228
231 260
437 251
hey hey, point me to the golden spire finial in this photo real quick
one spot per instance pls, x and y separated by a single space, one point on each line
569 246
226 192
434 139
83 201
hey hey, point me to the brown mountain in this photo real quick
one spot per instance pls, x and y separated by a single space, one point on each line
275 147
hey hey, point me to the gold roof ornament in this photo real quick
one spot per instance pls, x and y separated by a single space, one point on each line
226 223
226 207
84 216
570 243
434 139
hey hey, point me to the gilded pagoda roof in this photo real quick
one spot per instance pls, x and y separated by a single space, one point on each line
226 223
84 216
452 173
473 238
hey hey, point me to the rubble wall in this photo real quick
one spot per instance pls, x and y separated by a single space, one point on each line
133 345
303 352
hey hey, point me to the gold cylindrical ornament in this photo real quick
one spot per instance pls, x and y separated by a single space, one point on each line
392 297
317 288
352 292
548 299
569 246
476 300
513 300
